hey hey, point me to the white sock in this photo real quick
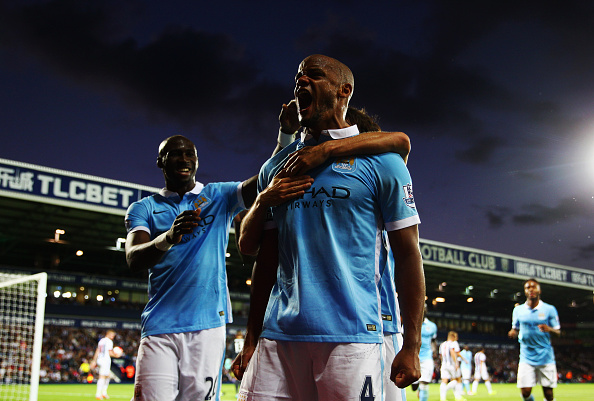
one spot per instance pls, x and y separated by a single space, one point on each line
488 384
458 389
474 386
105 385
100 384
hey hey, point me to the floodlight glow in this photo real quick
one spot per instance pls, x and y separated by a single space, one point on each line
99 298
470 299
439 299
57 234
79 253
57 294
248 281
119 243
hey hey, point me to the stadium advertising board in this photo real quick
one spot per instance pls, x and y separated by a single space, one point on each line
493 263
64 188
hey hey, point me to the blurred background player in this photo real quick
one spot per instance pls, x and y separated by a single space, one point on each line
532 323
449 351
426 353
102 360
481 372
466 368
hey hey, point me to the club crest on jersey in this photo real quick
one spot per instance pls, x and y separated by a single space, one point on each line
409 199
201 201
344 165
541 316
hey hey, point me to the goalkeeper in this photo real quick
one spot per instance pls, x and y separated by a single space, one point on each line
102 360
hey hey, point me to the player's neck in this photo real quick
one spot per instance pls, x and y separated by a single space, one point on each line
533 302
181 189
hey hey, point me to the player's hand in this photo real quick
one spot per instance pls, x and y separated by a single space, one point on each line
240 363
283 188
288 119
544 328
406 368
513 333
184 223
303 160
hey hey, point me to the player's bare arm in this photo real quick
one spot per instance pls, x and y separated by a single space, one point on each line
410 285
143 253
513 333
263 279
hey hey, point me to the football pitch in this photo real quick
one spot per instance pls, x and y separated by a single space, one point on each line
120 392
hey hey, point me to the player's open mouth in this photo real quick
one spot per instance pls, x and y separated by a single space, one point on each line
304 100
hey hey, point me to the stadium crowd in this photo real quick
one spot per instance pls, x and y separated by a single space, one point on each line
67 352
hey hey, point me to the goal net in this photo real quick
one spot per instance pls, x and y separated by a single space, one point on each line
22 307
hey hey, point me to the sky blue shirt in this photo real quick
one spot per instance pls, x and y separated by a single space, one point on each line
330 245
428 334
467 354
188 287
389 298
535 346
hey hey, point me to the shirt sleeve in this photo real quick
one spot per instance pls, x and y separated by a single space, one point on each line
137 218
395 193
554 319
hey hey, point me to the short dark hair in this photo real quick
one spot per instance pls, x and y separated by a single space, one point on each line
531 279
364 121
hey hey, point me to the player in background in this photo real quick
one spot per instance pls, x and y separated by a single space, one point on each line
481 372
449 351
532 323
102 360
426 353
466 367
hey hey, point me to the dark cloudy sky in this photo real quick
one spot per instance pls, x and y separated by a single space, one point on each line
497 98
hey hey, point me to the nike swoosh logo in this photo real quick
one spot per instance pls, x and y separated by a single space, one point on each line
159 211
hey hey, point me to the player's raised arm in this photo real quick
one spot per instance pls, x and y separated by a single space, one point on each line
372 141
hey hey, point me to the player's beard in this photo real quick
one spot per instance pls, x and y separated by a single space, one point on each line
322 111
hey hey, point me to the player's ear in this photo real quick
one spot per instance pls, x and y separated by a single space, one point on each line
345 90
159 162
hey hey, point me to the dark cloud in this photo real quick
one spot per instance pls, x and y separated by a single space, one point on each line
567 209
480 152
181 73
585 252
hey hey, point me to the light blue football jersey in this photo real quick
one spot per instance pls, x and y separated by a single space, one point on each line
188 287
428 334
388 295
330 246
535 345
467 354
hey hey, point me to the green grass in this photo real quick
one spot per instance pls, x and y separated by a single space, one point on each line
120 392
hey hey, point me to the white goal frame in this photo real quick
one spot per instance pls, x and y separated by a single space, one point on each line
11 280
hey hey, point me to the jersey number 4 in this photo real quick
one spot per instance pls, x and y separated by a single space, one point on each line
367 390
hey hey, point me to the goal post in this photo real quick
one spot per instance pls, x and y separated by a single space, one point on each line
22 309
